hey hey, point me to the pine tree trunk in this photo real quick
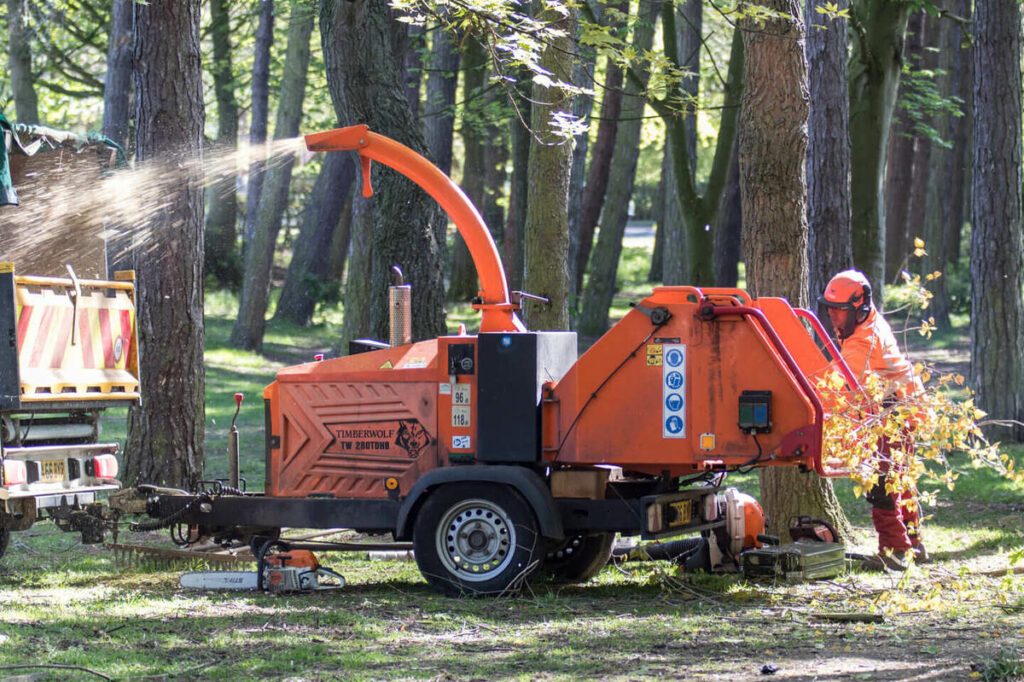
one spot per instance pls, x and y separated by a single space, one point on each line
773 141
997 251
165 433
407 224
729 229
220 257
439 107
547 220
311 258
924 176
463 284
597 298
597 175
413 69
19 63
513 252
875 63
117 84
260 114
259 253
830 242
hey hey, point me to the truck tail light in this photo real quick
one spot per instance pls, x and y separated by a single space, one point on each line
15 472
103 466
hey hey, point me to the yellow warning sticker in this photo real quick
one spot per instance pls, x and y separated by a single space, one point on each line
654 355
387 365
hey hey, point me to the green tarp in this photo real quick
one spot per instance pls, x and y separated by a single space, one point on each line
8 195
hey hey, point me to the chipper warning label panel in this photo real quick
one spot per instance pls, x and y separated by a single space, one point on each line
673 389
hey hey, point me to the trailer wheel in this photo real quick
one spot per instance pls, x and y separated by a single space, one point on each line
476 539
579 558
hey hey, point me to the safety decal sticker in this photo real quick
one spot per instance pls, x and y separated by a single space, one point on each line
387 365
461 443
461 394
444 388
654 355
673 386
415 363
460 416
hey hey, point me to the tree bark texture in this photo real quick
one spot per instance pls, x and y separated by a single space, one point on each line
19 62
117 84
997 252
655 273
413 69
311 258
408 226
260 115
875 61
165 434
597 174
829 239
259 254
221 257
773 141
462 286
923 149
439 107
597 298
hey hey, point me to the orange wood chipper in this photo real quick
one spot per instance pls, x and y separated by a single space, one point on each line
501 453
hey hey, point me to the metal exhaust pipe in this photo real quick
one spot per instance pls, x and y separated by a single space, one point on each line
400 306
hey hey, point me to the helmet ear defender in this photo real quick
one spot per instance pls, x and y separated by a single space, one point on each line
864 309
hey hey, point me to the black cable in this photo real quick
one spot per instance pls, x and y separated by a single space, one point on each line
749 466
593 395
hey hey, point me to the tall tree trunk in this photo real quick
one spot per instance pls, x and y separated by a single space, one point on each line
901 158
408 226
960 168
773 141
597 175
311 257
830 241
117 94
117 84
259 254
357 323
676 270
413 70
997 230
165 433
513 244
19 62
547 219
597 298
729 229
439 107
583 76
923 148
221 257
264 39
875 63
463 283
656 271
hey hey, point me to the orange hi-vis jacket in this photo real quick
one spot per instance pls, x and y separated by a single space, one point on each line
872 348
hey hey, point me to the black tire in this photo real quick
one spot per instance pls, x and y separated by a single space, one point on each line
579 558
476 539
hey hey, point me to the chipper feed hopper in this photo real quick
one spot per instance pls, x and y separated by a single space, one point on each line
502 452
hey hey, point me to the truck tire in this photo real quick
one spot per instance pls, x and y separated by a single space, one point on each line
579 558
476 539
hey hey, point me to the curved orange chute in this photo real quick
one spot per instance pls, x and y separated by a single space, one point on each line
498 311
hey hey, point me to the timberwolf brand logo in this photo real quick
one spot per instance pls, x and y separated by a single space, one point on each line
412 437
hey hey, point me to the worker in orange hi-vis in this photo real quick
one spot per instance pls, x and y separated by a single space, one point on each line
868 345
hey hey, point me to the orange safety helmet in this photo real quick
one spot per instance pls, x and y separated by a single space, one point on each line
849 290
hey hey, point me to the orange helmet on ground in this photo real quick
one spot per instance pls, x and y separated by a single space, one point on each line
849 290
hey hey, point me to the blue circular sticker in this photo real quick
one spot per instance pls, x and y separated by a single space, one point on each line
674 357
674 380
674 424
674 402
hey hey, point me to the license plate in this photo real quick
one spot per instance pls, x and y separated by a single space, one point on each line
51 470
683 513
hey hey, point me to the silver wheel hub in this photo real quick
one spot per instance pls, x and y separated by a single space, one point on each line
475 540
